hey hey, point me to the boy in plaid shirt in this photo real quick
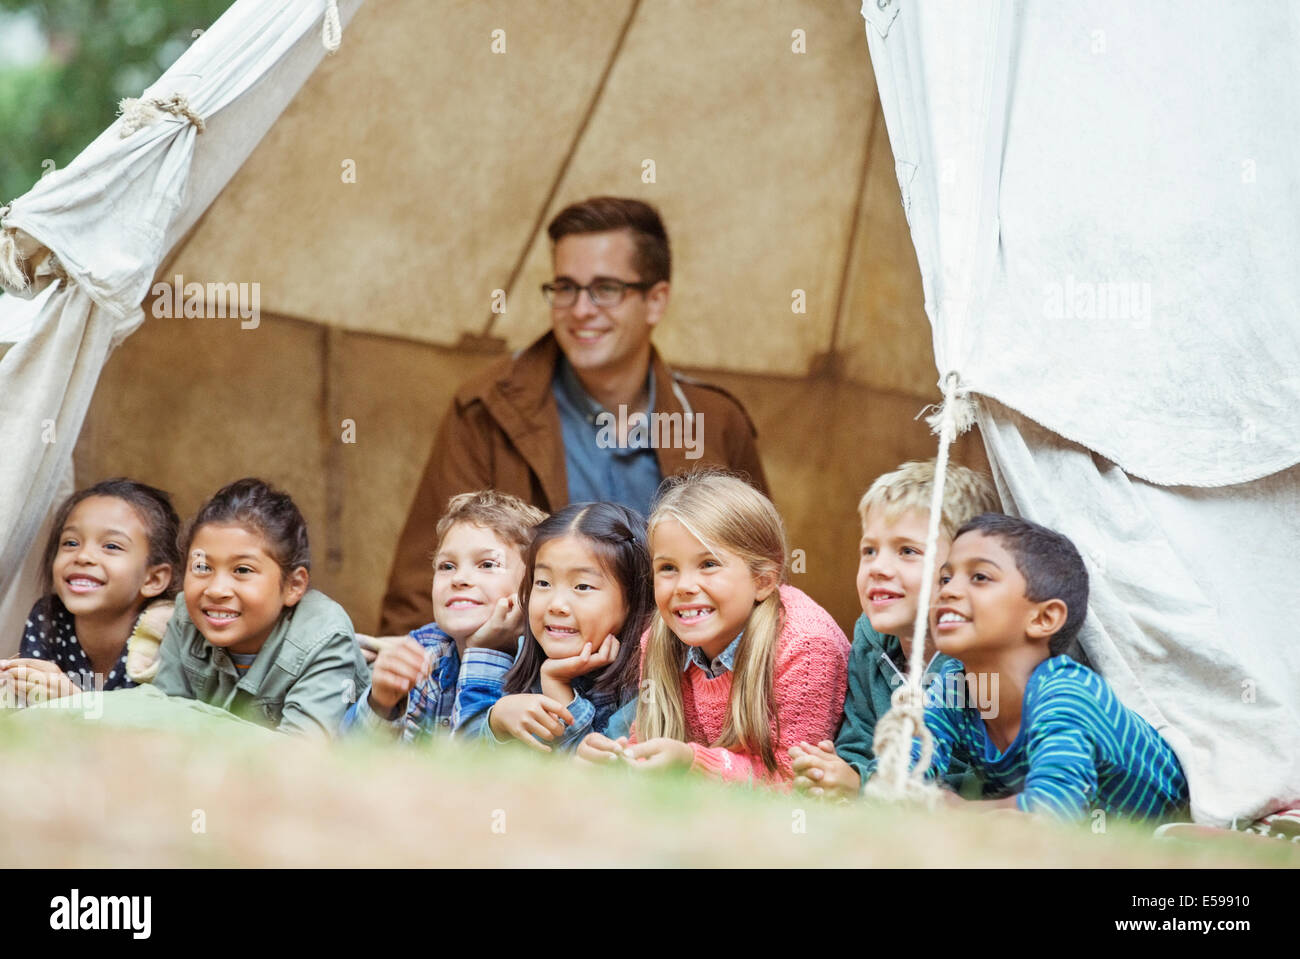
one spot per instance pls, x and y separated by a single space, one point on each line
477 569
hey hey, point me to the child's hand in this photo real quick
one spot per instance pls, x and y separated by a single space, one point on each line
821 772
399 666
571 667
36 680
371 645
526 715
502 629
601 750
661 753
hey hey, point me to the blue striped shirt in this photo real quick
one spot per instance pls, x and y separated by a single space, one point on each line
1078 748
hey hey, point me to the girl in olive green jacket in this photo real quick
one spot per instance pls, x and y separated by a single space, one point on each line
251 637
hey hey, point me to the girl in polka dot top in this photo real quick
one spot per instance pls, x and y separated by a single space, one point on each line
112 551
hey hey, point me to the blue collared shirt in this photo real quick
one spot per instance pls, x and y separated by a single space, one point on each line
483 683
596 468
724 663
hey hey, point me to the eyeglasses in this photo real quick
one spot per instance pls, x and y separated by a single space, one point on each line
562 294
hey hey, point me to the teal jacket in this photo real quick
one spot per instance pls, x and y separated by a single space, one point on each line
304 677
876 669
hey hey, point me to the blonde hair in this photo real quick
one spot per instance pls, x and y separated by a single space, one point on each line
726 514
966 494
507 516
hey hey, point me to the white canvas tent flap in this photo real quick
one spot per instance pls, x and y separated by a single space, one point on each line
109 218
1102 198
1113 185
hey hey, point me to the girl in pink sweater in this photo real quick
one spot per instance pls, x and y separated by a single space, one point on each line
736 666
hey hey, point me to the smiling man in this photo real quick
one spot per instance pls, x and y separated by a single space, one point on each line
588 412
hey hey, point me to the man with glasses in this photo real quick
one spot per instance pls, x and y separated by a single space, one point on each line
588 412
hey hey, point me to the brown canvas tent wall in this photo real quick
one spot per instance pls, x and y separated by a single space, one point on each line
412 177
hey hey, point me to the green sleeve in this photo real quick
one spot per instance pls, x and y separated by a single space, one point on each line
854 742
314 705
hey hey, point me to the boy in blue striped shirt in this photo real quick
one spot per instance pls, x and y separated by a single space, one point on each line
1052 738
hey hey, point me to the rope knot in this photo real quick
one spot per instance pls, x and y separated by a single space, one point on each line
12 272
331 33
896 778
140 113
956 414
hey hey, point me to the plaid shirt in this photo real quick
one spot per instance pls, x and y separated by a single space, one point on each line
429 705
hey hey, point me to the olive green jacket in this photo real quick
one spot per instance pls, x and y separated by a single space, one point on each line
304 677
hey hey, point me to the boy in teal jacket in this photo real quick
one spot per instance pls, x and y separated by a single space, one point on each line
878 666
895 514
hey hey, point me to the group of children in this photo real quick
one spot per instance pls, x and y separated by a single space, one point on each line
676 642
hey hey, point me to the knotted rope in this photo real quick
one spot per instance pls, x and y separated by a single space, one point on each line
12 274
895 778
331 34
139 113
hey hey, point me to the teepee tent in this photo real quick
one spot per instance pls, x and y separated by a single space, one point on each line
384 209
391 223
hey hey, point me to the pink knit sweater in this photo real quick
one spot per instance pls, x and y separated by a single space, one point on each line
812 658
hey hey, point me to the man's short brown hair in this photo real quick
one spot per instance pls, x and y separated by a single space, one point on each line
653 259
507 516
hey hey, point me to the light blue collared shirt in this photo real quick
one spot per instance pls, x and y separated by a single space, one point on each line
724 663
629 474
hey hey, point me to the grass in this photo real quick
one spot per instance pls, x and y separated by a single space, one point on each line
80 794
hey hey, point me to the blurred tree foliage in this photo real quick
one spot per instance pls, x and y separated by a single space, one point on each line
98 51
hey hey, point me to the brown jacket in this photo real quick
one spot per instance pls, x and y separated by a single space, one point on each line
503 432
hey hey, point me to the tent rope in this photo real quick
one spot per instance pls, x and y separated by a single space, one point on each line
12 274
331 34
139 113
905 720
